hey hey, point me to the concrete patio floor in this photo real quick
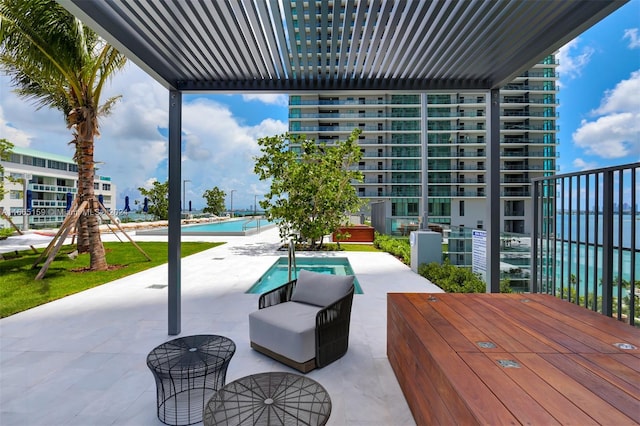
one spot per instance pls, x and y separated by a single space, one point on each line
81 360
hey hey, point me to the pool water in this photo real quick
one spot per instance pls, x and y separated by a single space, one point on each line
235 227
278 273
226 226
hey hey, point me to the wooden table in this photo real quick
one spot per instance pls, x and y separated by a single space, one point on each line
512 359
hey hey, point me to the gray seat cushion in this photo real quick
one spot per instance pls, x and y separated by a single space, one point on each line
287 329
321 289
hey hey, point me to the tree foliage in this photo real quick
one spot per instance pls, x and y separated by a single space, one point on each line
5 153
56 61
311 184
215 200
158 199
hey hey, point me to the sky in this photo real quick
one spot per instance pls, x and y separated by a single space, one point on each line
599 121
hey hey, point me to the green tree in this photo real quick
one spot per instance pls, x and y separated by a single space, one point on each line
56 61
5 153
158 199
215 200
311 188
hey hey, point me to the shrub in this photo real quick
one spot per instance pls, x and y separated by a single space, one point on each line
399 247
452 279
6 232
456 279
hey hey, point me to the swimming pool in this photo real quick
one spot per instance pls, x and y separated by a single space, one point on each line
234 227
278 273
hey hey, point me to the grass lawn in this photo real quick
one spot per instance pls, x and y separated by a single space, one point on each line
19 290
352 247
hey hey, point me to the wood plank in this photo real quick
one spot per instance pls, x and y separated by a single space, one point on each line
511 392
400 311
424 401
615 372
555 403
602 390
509 335
564 382
452 327
602 323
461 388
567 373
538 325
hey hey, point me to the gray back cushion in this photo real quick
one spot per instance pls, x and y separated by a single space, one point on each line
321 289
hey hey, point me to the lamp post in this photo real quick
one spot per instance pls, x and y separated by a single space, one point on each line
231 192
255 204
184 184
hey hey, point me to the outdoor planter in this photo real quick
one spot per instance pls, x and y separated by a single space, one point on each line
357 234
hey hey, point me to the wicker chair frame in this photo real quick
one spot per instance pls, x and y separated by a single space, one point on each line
332 328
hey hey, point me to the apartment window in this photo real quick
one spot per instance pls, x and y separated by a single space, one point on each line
57 165
379 139
461 208
39 162
96 185
14 158
106 187
15 195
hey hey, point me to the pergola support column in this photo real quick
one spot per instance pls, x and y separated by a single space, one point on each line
175 175
492 222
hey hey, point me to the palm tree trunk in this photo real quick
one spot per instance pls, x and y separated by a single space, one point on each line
88 226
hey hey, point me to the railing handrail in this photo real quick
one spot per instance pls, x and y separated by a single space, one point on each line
588 172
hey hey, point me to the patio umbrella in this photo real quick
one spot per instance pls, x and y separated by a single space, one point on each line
101 199
189 205
29 200
145 205
69 200
126 204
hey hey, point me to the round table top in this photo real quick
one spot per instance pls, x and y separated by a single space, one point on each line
191 354
275 398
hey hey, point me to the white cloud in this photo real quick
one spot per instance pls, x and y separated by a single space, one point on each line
218 150
634 39
572 59
13 135
269 99
611 136
580 164
624 97
615 130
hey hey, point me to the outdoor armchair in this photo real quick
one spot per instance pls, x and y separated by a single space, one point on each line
305 322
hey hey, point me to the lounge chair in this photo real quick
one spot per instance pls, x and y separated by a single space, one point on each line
305 322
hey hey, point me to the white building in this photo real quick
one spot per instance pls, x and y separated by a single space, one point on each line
397 129
49 178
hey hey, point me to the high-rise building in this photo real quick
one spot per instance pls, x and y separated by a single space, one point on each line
41 202
451 127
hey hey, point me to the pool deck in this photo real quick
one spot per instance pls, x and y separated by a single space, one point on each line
81 360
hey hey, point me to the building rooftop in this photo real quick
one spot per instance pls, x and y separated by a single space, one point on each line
81 360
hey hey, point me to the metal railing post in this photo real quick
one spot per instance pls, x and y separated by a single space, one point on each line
607 243
533 282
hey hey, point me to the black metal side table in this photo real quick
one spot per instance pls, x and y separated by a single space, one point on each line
188 370
271 399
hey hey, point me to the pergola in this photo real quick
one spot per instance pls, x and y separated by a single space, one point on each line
280 46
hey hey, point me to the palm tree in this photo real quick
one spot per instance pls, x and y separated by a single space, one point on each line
56 61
